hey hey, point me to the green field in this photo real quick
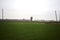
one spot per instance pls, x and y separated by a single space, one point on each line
29 31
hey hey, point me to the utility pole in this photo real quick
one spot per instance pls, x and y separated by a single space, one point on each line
2 14
56 15
59 18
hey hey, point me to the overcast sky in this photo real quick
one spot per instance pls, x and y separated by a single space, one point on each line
24 9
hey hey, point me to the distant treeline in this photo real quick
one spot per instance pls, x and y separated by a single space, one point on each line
25 20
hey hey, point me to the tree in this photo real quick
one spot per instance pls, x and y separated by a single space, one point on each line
31 18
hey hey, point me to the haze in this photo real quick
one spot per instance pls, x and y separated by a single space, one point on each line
24 9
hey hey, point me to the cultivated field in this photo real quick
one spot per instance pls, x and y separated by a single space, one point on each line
29 31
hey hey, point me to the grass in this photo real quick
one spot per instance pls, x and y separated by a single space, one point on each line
29 31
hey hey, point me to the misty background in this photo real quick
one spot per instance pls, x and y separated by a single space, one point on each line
24 9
